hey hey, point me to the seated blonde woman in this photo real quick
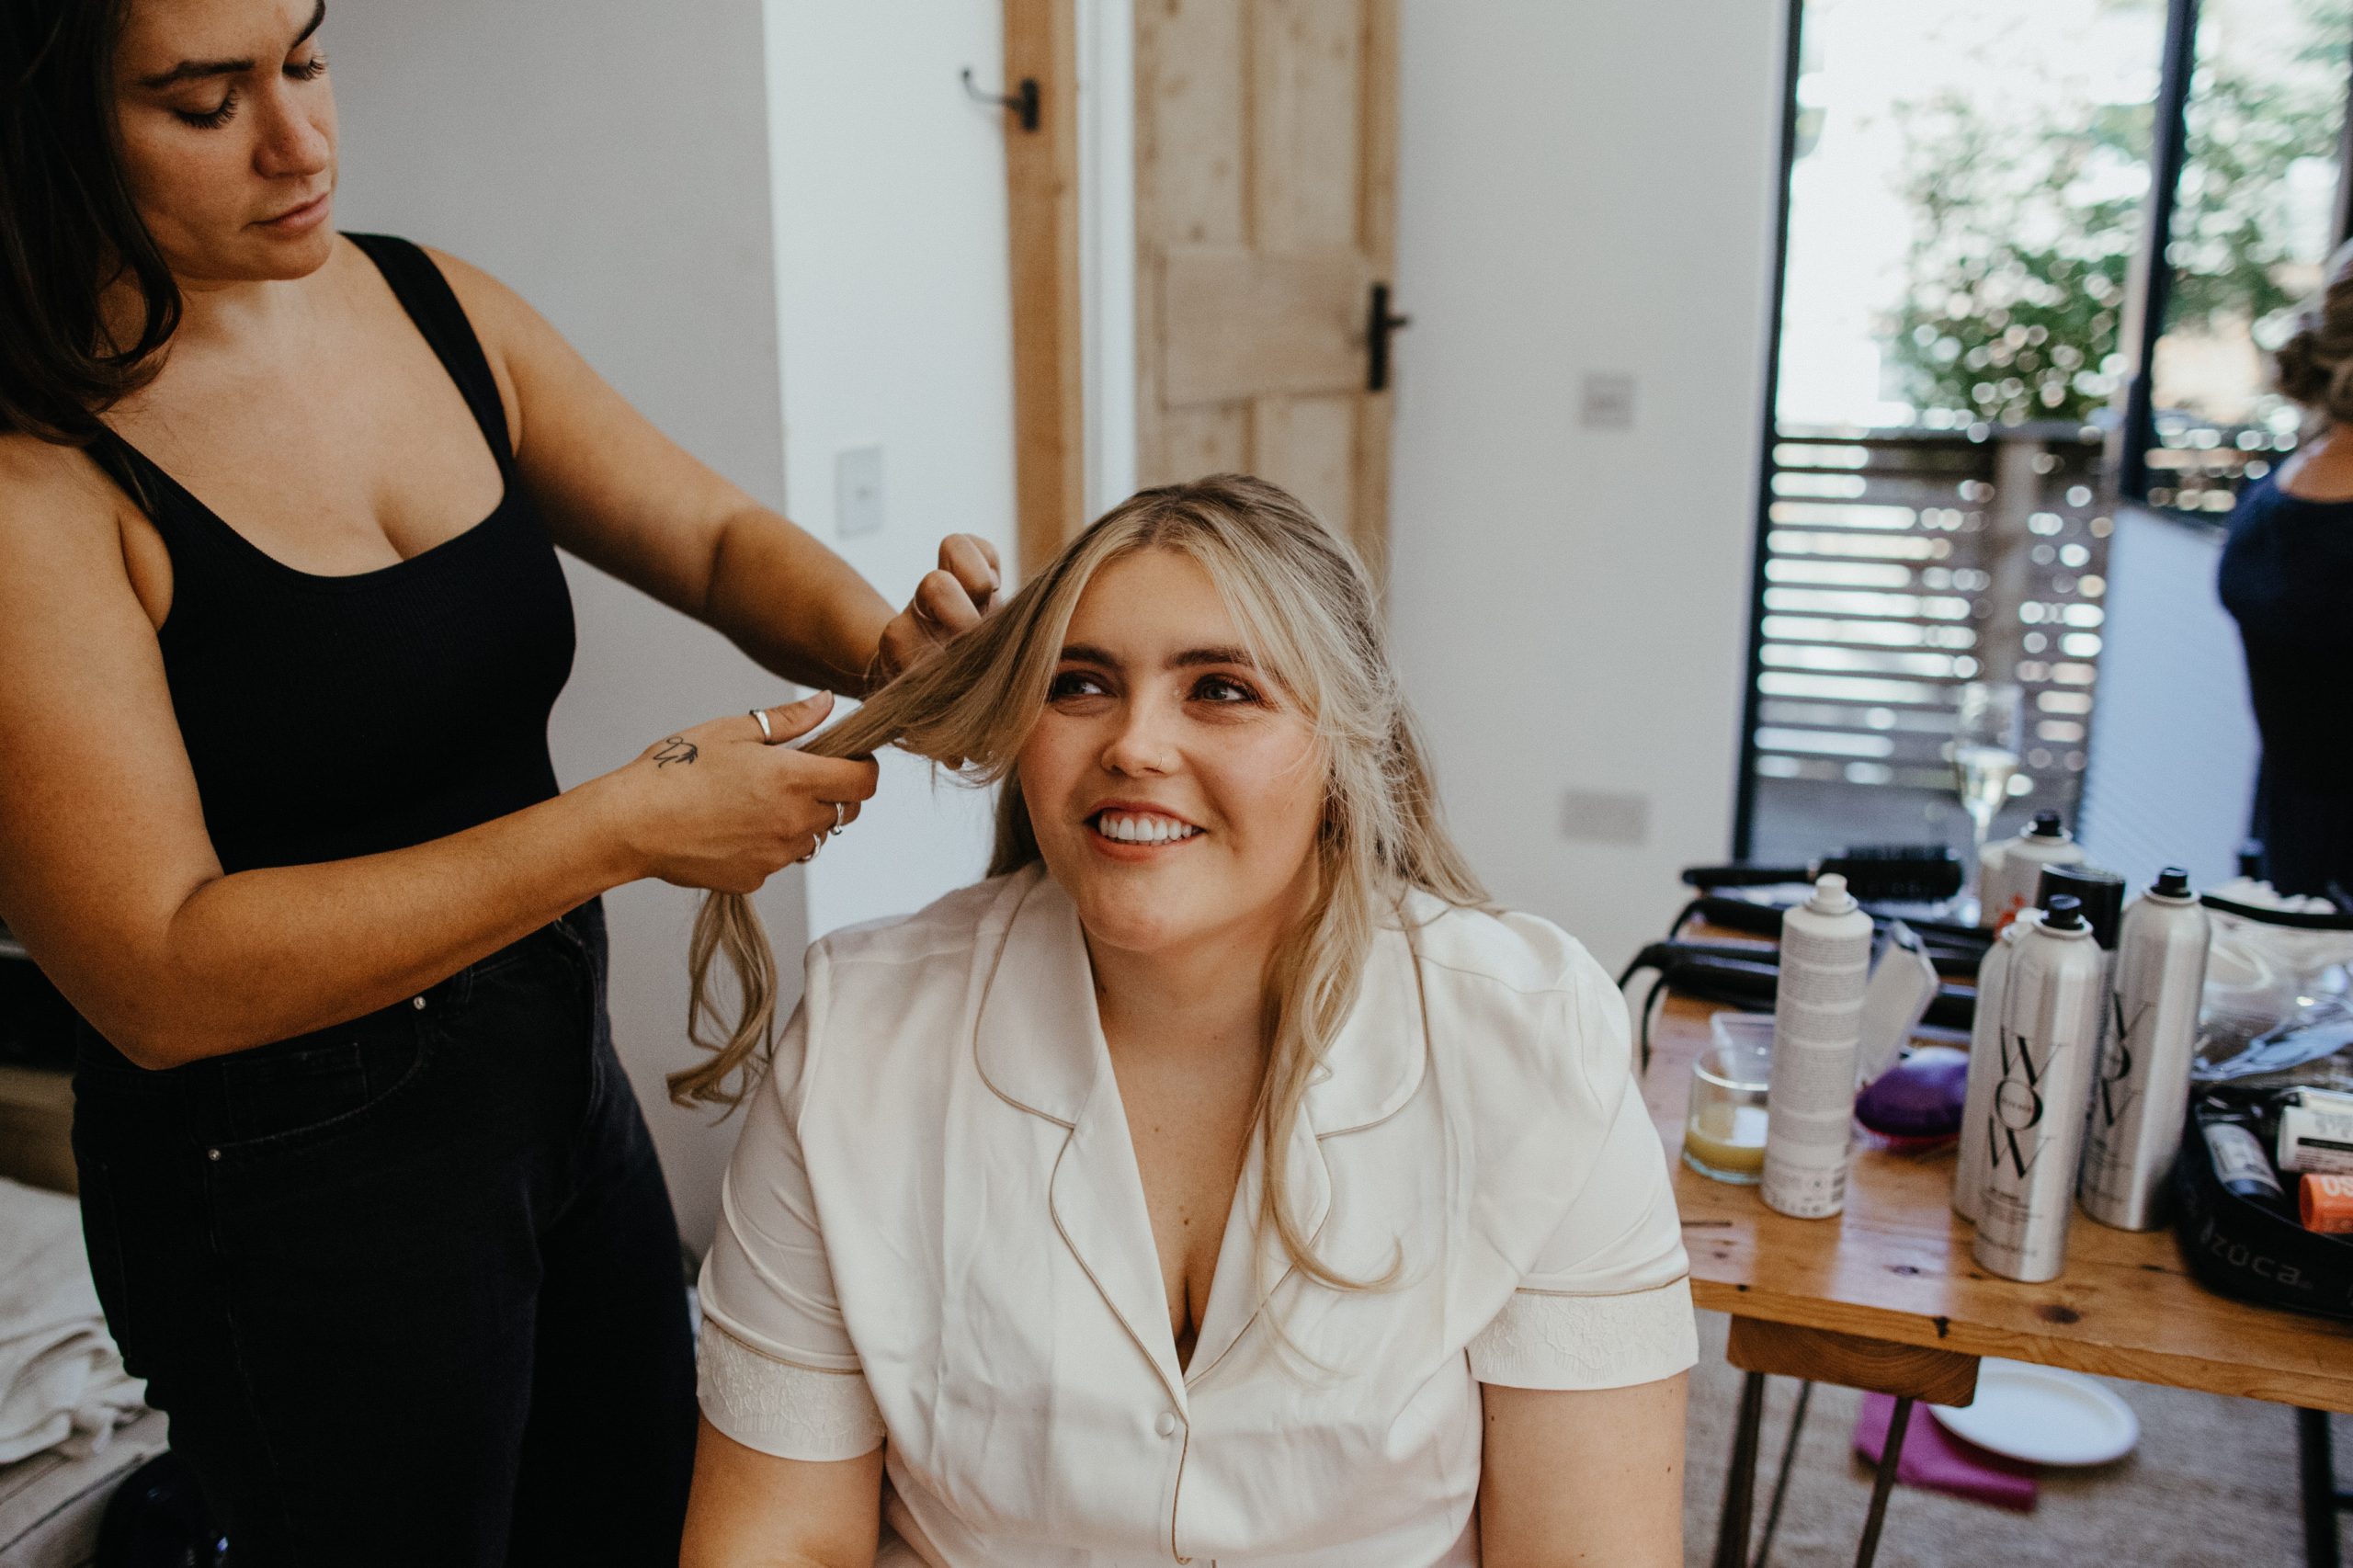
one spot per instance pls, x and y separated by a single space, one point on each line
1220 1182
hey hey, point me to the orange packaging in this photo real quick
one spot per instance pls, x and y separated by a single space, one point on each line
2327 1202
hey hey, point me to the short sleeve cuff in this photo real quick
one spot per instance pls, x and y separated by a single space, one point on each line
781 1407
1545 1340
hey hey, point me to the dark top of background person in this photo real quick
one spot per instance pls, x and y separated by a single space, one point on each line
2287 578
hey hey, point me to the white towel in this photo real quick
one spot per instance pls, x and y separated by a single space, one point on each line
62 1382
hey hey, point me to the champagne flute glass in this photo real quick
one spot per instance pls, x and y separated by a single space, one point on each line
1985 742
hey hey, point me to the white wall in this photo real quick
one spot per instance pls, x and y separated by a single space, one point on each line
893 297
609 161
895 312
2174 747
1582 188
1106 246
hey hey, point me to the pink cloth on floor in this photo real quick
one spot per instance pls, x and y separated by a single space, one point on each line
1937 1461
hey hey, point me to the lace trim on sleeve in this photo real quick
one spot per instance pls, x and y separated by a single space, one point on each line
793 1412
1542 1340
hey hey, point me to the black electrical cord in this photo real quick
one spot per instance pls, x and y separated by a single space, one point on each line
1650 1011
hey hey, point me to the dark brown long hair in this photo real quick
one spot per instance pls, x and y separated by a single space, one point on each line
69 228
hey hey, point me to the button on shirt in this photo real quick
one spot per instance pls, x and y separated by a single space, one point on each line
933 1234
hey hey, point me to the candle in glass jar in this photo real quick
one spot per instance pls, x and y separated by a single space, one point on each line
1724 1124
1723 1137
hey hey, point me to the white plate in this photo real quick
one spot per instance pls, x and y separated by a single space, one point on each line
2042 1415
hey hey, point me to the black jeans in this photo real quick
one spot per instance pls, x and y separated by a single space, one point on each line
408 1287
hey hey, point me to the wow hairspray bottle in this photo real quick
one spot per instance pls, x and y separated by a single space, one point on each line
2052 1009
1817 1031
1985 1062
2142 1090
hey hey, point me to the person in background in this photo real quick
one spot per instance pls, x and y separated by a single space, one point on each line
368 1200
2287 578
1222 1181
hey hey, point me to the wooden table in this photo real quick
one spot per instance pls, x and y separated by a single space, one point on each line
1886 1296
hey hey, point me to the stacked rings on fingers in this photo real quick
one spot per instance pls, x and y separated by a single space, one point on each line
841 809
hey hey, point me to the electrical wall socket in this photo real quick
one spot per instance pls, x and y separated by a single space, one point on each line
1606 401
857 491
1596 816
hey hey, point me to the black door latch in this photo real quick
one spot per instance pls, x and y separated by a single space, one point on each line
1379 324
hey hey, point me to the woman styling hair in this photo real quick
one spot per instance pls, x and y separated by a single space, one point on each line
1218 1181
368 1200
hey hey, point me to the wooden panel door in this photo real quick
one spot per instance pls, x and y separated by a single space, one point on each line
1266 182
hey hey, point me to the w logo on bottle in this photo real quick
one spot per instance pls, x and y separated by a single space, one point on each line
2055 1009
2113 1095
2012 1138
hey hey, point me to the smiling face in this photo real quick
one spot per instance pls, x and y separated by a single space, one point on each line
1175 790
228 135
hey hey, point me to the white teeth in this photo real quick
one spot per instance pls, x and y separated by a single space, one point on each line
1130 828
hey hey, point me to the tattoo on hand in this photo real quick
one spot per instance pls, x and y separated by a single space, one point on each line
677 748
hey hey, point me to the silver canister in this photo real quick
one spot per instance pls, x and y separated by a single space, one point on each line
2012 869
1817 1033
2049 1049
1985 1063
2142 1090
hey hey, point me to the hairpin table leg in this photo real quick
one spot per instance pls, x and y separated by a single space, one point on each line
2317 1465
1781 1483
1740 1480
1898 1425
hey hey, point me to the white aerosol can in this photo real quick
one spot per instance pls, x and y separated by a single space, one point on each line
2052 1012
1985 1063
2142 1091
1817 1031
2011 871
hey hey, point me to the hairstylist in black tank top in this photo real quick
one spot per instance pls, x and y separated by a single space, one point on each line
368 1198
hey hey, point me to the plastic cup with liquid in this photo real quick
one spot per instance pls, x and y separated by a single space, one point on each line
1724 1129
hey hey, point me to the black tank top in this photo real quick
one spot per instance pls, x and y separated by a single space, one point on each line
329 717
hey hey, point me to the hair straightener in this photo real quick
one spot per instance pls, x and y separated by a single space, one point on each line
1921 873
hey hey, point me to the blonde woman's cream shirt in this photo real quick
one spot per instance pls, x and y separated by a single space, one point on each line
933 1237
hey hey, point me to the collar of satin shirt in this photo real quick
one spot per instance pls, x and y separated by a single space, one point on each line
1039 1045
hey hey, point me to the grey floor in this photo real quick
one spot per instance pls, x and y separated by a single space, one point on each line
2212 1484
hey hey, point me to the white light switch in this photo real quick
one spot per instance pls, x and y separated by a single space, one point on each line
1607 401
857 491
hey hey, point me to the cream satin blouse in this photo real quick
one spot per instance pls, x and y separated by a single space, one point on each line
933 1235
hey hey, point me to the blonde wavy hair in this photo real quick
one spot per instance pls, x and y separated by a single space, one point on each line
1311 621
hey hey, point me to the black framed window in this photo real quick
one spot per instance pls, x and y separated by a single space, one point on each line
2248 196
2030 254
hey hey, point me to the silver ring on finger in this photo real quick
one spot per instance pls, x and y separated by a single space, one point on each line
815 844
767 735
841 811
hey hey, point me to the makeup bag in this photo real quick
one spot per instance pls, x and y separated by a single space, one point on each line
2240 1249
